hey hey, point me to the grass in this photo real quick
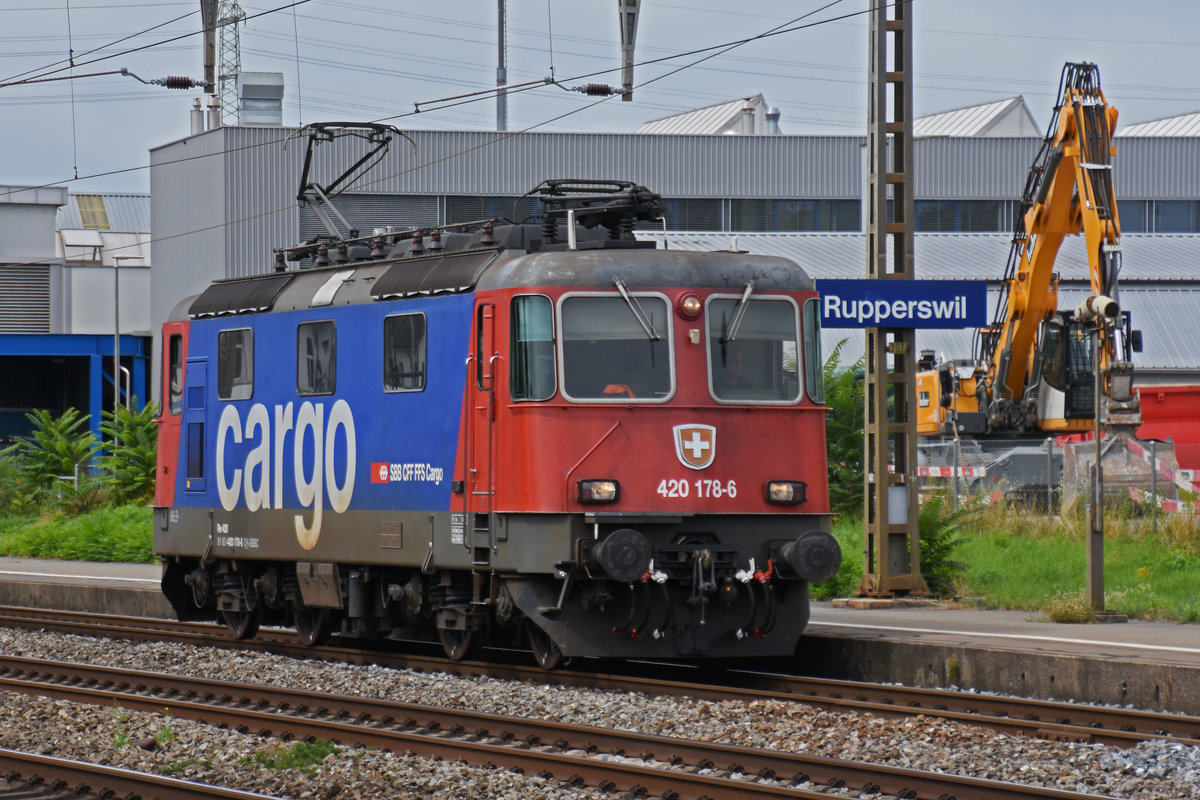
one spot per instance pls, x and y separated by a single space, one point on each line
1013 559
1038 563
122 533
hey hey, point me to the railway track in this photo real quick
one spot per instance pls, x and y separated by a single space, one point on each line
29 777
582 755
1043 719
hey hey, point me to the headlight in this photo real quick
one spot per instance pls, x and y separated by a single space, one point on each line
690 306
788 493
596 491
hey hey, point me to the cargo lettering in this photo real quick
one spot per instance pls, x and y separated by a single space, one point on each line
314 440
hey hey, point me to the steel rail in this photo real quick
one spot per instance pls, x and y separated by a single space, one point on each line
243 706
104 781
1121 727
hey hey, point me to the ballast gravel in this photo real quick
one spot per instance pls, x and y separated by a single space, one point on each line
161 744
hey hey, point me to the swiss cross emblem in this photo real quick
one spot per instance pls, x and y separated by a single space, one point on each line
695 445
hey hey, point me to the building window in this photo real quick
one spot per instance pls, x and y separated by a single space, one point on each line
794 215
936 216
316 361
1175 216
92 212
1132 214
469 209
404 353
693 214
235 364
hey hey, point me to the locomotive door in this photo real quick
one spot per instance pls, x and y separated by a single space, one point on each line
480 419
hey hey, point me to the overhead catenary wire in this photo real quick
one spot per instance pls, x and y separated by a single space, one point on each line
728 45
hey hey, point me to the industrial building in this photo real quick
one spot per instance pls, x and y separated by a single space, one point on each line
73 269
224 199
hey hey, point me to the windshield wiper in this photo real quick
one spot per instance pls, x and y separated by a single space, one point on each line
738 313
636 308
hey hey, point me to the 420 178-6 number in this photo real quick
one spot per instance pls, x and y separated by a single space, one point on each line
701 487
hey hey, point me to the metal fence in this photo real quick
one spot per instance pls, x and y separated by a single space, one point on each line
1047 473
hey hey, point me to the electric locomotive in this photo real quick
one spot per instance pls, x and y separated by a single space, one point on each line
548 432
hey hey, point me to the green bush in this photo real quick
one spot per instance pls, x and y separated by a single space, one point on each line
56 461
130 461
844 433
938 524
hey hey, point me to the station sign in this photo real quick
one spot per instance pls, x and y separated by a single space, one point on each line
884 303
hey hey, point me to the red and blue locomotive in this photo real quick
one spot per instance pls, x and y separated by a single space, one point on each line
548 431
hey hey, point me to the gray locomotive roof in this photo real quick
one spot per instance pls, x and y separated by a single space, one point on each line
649 267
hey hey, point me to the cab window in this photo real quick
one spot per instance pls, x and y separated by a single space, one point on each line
175 374
404 353
814 363
616 349
753 350
316 358
531 372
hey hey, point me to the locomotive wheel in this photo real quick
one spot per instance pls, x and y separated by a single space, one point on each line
313 626
545 650
241 624
458 644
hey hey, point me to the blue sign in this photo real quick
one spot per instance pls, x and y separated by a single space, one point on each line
887 303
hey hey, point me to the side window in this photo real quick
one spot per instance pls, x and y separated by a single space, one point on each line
814 363
316 358
235 364
531 374
175 374
404 353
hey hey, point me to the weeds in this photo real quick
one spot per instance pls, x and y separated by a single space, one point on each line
120 727
178 767
300 755
1069 607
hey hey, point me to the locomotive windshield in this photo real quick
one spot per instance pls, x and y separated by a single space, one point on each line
759 363
608 353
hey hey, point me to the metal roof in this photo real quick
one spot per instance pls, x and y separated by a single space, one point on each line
126 212
711 120
1181 125
1007 117
1151 258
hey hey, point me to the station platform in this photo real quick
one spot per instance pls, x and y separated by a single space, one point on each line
1152 665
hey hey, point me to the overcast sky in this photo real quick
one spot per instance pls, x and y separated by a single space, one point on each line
359 60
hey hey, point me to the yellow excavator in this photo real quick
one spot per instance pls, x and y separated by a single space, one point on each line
1034 368
1033 379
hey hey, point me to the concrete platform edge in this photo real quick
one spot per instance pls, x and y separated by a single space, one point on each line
1160 687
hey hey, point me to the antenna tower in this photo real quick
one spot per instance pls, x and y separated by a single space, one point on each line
229 15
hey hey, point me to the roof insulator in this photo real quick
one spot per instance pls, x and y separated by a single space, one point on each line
435 239
340 254
322 256
280 262
418 245
377 250
487 237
